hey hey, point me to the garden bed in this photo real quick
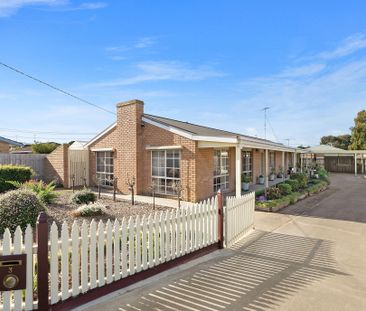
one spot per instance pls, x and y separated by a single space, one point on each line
312 187
62 210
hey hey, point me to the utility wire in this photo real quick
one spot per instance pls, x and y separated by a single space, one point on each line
43 132
273 132
54 87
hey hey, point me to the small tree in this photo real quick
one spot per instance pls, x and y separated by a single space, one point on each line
178 188
358 139
153 187
44 147
131 186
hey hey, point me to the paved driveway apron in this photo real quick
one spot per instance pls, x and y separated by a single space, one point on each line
311 256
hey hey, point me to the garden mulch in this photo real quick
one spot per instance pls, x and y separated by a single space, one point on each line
62 210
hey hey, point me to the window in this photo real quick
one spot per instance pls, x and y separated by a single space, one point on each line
221 170
165 170
272 161
105 167
247 163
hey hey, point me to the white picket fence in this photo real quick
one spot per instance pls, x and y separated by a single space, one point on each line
238 217
13 244
98 254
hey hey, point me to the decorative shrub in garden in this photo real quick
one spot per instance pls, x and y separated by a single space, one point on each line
84 196
44 191
87 210
285 188
293 183
273 193
15 173
301 178
19 208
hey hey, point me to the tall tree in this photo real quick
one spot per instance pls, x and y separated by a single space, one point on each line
358 140
341 141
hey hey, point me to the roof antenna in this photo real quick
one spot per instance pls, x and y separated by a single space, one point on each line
265 121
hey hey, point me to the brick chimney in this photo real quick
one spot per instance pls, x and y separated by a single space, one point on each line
129 144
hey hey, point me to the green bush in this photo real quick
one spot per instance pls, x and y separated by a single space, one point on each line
259 192
323 174
84 196
273 193
293 183
44 147
88 210
43 191
285 188
301 178
14 173
19 208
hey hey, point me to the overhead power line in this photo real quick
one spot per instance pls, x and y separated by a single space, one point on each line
44 132
54 87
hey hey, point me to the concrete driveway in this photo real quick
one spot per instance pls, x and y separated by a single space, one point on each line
311 256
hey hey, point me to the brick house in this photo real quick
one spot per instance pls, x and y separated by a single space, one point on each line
6 144
202 159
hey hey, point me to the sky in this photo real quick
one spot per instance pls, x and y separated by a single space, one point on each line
215 63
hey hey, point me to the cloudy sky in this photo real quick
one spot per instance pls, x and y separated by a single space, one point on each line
217 63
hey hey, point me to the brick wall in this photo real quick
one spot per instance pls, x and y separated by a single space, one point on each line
56 166
4 147
257 154
205 170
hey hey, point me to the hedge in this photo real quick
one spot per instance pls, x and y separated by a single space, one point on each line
15 173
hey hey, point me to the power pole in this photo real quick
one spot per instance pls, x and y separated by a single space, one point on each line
288 141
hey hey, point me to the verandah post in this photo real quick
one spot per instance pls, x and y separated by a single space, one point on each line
220 219
42 262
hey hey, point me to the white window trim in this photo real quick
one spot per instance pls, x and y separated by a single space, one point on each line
105 173
165 177
226 175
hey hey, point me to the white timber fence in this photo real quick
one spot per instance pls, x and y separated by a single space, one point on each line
78 263
16 244
239 217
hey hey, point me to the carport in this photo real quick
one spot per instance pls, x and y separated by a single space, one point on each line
335 159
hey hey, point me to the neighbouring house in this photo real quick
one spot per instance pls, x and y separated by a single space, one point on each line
6 144
335 159
203 159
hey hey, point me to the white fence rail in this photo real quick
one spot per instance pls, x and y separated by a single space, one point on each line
239 217
13 244
93 255
35 161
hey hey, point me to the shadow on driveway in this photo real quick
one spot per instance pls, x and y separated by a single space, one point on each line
260 273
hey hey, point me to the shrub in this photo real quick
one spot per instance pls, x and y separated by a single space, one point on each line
14 173
323 174
19 208
84 196
45 192
87 210
285 189
259 192
293 183
44 147
273 193
301 178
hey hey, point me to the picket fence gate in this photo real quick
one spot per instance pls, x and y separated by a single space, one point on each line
84 262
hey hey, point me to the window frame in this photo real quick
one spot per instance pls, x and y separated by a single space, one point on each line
105 173
224 183
245 170
166 178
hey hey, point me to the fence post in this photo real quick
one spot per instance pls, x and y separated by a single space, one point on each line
42 262
220 218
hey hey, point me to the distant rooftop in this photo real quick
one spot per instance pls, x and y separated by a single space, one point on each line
10 142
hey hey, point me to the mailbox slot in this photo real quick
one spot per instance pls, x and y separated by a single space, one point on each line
13 272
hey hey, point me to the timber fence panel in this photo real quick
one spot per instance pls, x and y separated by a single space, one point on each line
239 217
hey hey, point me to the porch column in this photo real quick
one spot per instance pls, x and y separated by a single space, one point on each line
294 161
266 169
363 163
355 164
238 170
301 162
283 165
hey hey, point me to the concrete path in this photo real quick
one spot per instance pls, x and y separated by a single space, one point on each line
311 256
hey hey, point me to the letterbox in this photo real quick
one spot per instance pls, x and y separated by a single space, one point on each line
13 272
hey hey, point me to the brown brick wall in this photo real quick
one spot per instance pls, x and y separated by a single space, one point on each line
256 164
56 165
205 168
4 147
